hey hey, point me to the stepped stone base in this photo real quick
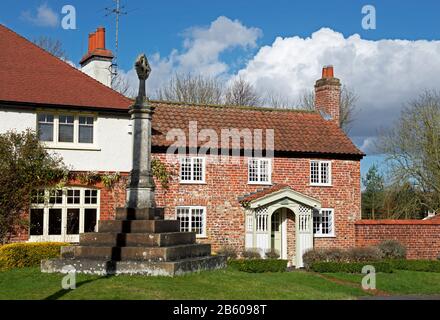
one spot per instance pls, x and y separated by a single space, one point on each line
139 241
110 267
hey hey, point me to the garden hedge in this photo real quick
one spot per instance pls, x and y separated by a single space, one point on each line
416 265
259 265
19 255
350 267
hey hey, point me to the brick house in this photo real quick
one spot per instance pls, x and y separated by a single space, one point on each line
294 187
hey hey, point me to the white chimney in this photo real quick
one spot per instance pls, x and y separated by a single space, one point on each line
97 63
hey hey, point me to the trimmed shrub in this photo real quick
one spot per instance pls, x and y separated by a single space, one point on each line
392 249
19 255
416 265
272 254
228 251
362 254
350 267
259 265
251 254
324 255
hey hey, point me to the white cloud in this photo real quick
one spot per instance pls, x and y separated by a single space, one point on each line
385 74
202 47
44 17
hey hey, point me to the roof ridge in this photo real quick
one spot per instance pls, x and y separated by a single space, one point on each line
59 60
220 106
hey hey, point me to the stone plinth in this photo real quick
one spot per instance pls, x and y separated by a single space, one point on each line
139 241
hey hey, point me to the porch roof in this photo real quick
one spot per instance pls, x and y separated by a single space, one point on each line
274 193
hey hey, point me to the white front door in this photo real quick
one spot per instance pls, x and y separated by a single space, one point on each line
275 237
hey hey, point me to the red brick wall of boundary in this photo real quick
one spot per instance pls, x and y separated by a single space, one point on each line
421 237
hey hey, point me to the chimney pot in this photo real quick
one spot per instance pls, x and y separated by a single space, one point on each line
100 38
327 72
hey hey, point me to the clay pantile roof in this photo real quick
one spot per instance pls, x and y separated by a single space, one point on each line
261 193
294 130
31 75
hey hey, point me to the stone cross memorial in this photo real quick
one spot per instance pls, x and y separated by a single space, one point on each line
139 240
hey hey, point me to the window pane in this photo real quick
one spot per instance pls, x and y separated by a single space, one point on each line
183 217
36 222
253 170
197 221
37 197
56 197
324 172
73 196
89 220
85 134
86 129
65 129
91 196
314 172
72 221
185 169
264 170
198 169
45 127
54 221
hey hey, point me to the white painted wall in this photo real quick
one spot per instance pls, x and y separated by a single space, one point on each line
99 70
113 141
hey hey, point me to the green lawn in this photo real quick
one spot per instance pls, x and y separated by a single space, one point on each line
30 283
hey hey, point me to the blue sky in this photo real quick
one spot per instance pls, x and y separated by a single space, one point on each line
177 33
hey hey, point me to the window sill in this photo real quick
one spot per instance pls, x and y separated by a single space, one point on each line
201 237
192 182
259 183
324 236
86 147
320 185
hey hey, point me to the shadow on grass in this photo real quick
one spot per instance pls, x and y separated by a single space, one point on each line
61 293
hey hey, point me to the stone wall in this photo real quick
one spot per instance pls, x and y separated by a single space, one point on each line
421 237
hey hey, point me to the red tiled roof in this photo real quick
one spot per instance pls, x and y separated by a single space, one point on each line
262 192
294 130
31 75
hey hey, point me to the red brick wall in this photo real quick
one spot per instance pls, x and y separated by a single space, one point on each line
421 237
226 182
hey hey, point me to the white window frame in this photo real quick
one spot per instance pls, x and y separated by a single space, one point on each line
64 206
190 208
320 183
192 180
269 171
55 144
319 234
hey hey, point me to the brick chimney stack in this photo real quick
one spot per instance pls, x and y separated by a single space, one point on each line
97 62
328 94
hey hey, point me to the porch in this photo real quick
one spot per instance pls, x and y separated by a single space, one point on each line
280 219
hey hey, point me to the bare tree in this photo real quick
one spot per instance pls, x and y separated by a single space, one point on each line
121 85
192 89
241 93
52 46
412 147
279 101
347 106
